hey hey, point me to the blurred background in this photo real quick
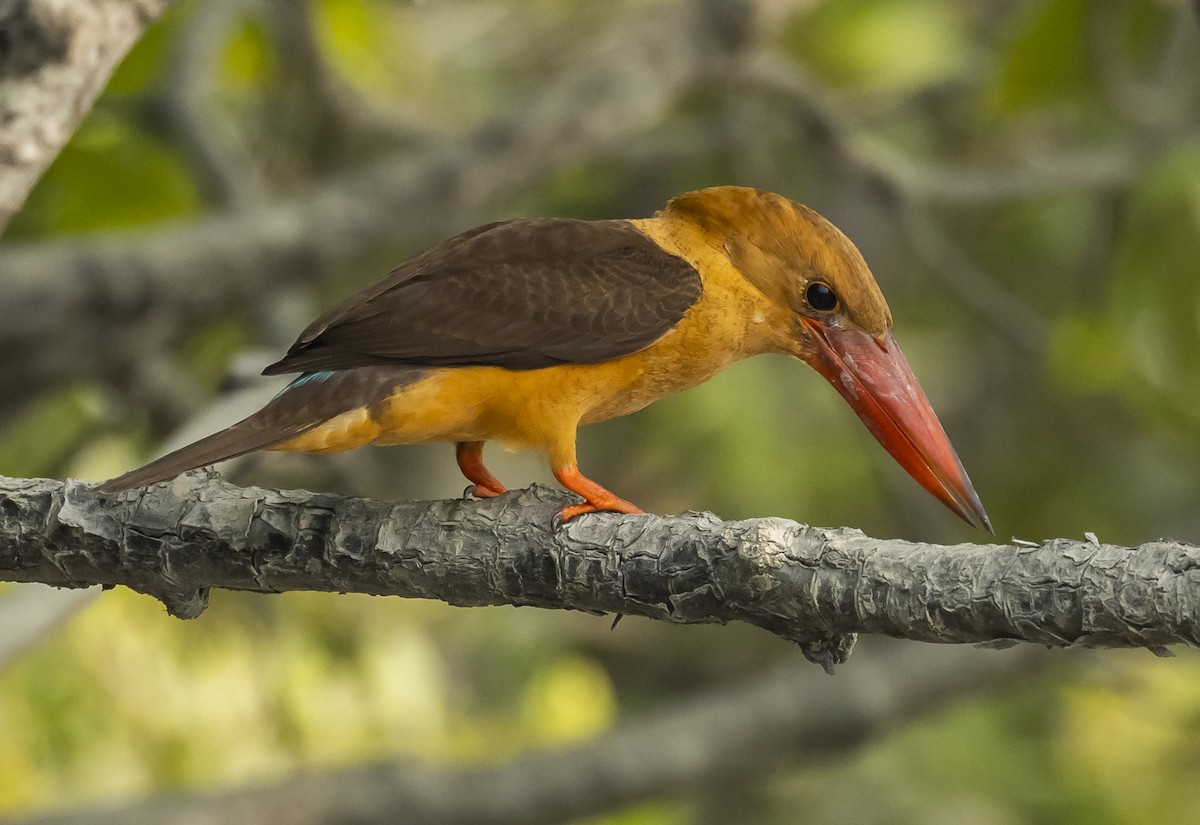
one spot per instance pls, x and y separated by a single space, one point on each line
1024 180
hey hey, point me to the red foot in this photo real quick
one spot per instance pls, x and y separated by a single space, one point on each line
470 460
597 498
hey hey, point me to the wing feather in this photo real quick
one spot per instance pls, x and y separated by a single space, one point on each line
518 294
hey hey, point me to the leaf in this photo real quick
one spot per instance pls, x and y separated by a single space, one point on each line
881 44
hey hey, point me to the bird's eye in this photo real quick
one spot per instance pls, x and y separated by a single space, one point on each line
820 297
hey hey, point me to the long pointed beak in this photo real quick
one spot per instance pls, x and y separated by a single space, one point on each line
874 377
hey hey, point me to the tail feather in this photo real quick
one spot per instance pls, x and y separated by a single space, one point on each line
237 440
310 399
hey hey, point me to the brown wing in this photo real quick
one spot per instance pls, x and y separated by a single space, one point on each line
519 294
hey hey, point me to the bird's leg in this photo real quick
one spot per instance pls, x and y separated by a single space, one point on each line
470 460
596 497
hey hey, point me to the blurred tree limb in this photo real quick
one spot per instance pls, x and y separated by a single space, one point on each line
223 171
813 586
732 735
56 58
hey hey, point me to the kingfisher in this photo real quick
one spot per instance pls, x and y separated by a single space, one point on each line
522 330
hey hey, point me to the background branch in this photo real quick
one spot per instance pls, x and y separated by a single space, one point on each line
223 171
729 736
57 58
813 586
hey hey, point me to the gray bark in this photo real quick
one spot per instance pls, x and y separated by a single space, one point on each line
816 587
55 58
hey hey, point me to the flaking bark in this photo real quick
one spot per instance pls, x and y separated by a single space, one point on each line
817 587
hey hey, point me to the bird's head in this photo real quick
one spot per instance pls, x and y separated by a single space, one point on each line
840 325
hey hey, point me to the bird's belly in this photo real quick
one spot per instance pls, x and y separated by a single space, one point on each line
529 408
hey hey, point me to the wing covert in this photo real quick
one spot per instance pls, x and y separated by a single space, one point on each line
518 294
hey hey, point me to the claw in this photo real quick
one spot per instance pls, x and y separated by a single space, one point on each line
475 491
596 498
574 510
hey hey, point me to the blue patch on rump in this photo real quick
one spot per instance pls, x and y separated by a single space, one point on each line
306 378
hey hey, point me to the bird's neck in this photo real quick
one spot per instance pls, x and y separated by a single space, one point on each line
733 319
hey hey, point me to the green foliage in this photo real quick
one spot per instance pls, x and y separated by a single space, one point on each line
399 60
206 355
112 174
1089 355
50 430
149 61
1156 294
1097 431
1047 62
249 58
352 33
303 681
881 45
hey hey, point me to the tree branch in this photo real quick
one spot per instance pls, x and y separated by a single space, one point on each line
55 58
813 586
926 182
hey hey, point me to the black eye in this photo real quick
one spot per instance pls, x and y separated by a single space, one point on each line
820 297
